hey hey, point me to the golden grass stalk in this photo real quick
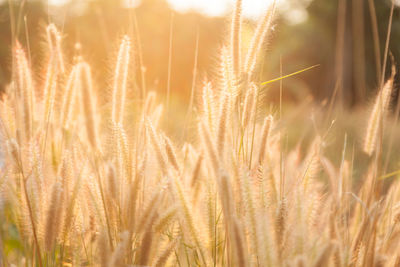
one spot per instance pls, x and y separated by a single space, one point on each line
134 194
53 218
72 85
226 195
121 81
266 247
189 221
113 189
156 143
22 216
264 138
171 154
122 153
89 104
323 258
222 126
194 181
118 256
148 213
229 84
236 37
163 257
104 250
209 147
312 162
239 243
249 103
49 90
258 40
196 171
235 236
54 68
54 42
26 92
280 226
164 219
32 222
208 105
250 211
379 111
145 249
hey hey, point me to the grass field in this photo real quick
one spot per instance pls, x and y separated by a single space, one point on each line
88 180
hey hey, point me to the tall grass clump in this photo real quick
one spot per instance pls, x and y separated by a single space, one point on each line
82 186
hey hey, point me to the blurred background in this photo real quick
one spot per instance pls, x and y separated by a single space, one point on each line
346 37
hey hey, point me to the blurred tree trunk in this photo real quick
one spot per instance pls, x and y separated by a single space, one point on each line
358 50
339 53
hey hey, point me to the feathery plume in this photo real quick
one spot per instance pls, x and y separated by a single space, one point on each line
72 86
172 159
209 147
208 105
156 143
229 84
259 37
378 113
264 138
189 220
54 42
235 37
53 217
25 92
89 104
163 258
117 257
239 243
222 125
249 103
55 66
121 80
196 171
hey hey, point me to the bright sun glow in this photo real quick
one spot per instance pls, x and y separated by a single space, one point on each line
251 8
293 12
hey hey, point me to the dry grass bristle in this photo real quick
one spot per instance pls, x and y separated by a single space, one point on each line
91 180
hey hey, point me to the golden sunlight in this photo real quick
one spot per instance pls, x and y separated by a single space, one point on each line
251 8
199 133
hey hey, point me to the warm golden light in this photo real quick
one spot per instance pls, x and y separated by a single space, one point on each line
251 8
199 132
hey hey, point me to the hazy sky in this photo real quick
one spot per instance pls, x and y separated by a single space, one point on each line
209 7
293 10
251 8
